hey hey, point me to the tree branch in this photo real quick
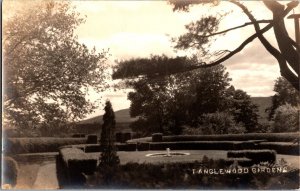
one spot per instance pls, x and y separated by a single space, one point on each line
235 51
281 57
237 27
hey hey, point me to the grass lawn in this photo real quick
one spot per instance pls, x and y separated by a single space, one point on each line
140 156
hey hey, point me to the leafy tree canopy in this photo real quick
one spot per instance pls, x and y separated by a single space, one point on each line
47 72
284 94
166 103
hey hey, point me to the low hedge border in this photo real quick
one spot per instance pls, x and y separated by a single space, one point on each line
123 137
38 145
157 137
280 147
143 146
78 135
90 148
269 137
257 156
75 162
92 139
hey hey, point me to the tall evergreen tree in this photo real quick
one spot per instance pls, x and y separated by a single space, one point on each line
109 155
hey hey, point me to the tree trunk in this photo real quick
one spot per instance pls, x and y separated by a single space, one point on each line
289 50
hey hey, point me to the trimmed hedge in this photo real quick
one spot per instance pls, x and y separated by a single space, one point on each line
36 145
78 135
97 148
269 137
281 148
126 137
130 147
123 137
194 145
92 148
256 156
92 139
143 146
119 137
157 137
76 162
10 171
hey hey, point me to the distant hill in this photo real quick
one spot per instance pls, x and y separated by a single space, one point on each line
123 119
263 103
122 116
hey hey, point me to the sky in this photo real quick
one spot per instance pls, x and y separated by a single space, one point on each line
131 29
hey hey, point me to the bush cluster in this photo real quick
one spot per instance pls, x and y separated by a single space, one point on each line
286 118
219 123
10 171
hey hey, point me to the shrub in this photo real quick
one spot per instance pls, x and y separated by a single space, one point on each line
220 123
286 118
157 137
92 139
257 156
10 171
109 155
36 145
265 127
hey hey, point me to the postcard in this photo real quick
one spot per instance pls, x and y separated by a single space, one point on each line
176 94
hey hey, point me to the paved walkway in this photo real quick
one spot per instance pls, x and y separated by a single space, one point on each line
46 177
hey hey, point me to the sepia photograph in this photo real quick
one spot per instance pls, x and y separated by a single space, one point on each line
166 94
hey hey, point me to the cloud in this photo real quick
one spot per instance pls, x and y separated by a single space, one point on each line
133 29
126 45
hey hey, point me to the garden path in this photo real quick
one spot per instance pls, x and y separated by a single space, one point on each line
46 177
